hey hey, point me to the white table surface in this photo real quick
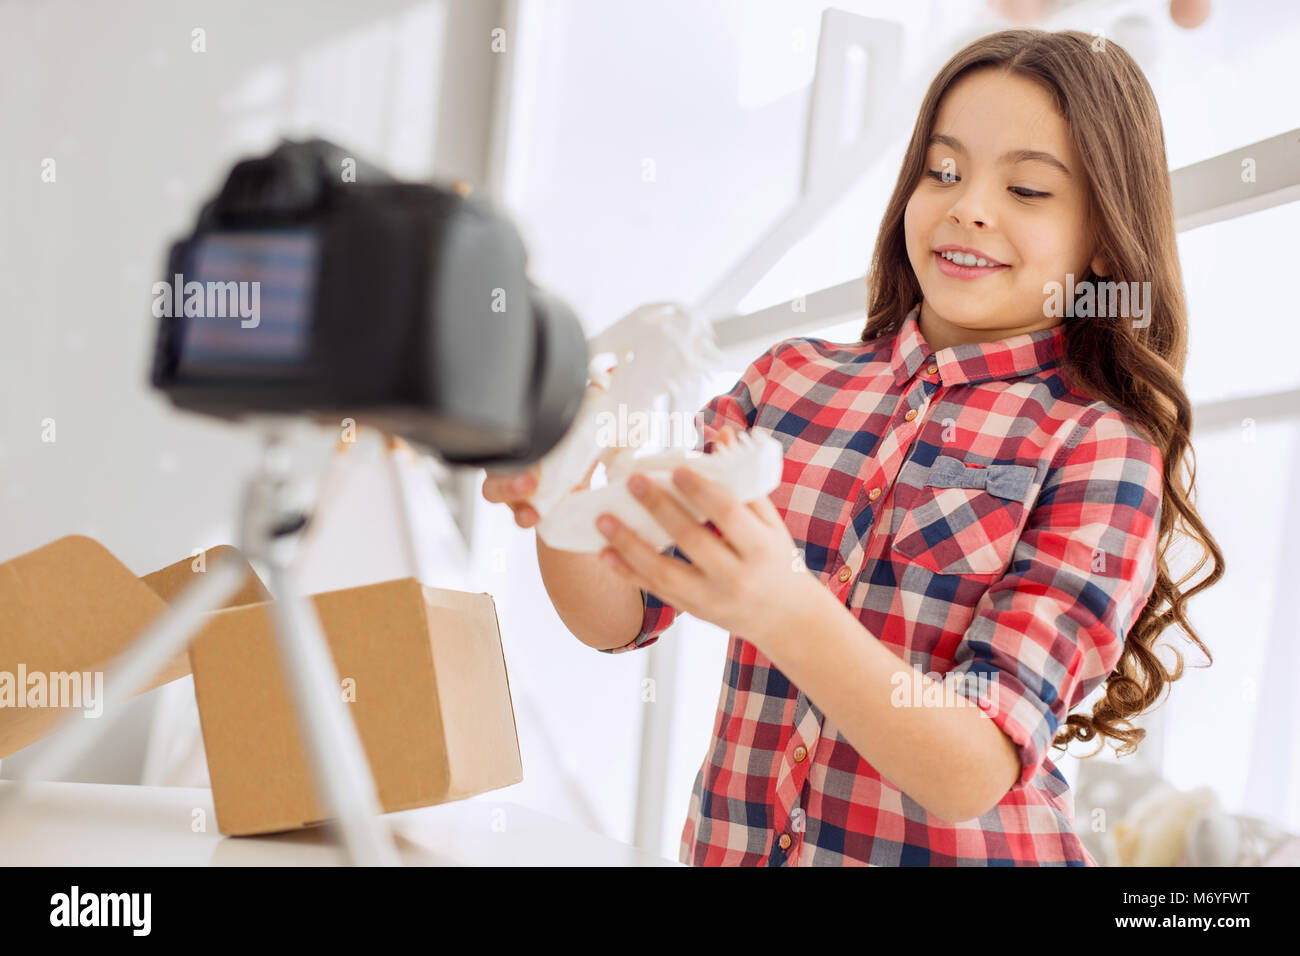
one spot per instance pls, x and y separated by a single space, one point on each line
89 824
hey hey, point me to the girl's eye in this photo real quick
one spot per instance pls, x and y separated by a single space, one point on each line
1020 191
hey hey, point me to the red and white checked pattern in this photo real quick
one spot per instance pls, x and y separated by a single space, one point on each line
1021 602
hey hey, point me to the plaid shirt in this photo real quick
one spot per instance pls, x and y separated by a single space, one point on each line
981 519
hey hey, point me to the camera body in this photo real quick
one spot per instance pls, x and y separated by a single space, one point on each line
315 283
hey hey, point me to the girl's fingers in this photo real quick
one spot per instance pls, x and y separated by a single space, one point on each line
510 488
716 502
766 511
699 544
674 581
492 489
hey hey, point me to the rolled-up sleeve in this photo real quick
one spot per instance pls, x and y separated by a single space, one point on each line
737 407
655 619
1053 627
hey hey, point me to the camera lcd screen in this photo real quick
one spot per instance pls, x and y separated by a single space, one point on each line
246 299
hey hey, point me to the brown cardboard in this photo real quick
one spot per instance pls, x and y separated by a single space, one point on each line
432 703
432 698
71 606
169 582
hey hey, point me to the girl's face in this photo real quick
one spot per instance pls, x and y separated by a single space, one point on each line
1002 180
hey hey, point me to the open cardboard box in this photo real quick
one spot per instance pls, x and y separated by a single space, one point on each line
422 670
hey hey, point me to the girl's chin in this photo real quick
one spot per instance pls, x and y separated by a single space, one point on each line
972 313
972 308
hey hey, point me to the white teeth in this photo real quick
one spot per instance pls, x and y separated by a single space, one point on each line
966 259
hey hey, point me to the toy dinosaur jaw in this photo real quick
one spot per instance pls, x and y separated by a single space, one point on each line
750 469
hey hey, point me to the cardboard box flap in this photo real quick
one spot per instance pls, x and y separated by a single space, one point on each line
72 602
169 582
70 607
67 607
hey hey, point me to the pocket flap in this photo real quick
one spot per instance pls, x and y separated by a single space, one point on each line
1006 481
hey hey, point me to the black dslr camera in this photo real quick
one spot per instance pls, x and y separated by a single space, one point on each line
315 283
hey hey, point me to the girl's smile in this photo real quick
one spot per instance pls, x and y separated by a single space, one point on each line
959 264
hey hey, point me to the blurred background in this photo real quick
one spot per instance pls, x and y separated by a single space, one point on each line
676 149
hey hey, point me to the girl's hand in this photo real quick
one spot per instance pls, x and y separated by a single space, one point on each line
750 581
514 489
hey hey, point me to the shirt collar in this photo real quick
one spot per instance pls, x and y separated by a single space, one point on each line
1013 357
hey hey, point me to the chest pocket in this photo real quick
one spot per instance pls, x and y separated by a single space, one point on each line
965 520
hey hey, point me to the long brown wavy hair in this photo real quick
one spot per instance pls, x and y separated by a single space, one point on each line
1116 130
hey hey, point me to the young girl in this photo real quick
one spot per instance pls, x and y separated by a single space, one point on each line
977 499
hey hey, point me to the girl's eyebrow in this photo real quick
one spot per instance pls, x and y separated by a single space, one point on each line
1011 156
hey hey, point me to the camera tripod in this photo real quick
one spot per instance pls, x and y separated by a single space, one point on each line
274 516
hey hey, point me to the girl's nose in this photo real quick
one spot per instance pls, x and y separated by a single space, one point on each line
969 208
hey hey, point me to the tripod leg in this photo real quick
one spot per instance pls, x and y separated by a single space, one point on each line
338 762
166 637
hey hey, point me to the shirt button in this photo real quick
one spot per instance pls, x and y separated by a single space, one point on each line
846 572
873 494
799 753
911 413
784 841
933 370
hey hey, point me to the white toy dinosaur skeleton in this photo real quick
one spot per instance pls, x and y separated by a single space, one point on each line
657 348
